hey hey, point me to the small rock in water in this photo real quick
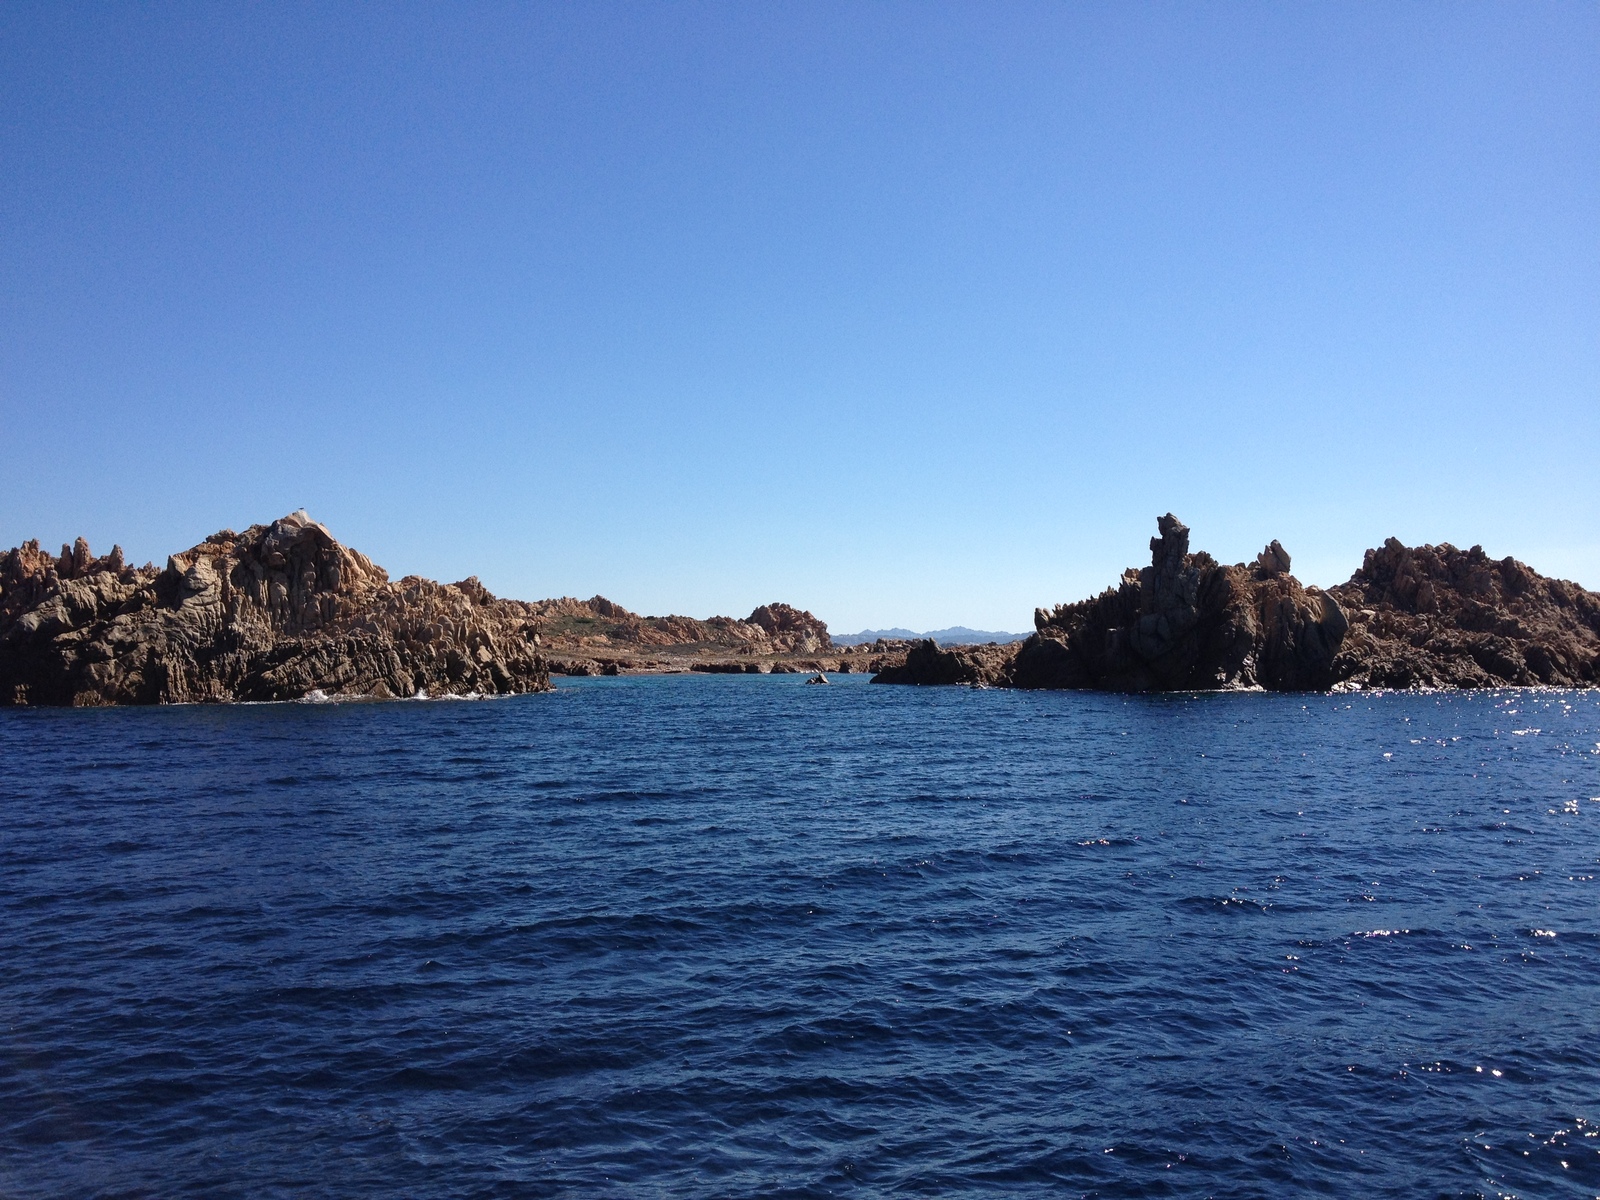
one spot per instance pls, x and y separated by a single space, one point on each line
819 677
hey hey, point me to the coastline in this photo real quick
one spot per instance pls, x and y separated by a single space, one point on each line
285 612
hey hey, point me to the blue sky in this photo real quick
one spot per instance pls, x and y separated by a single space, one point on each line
911 314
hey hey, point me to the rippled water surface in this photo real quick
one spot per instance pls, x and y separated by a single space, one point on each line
743 937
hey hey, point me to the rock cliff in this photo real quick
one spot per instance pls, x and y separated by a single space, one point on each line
273 613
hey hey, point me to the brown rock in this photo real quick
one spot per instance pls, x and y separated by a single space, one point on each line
1436 616
274 613
791 630
1274 560
1187 623
927 664
1433 616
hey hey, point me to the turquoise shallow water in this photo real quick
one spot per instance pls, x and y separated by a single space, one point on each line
737 936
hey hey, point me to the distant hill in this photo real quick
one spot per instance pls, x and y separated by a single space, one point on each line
956 635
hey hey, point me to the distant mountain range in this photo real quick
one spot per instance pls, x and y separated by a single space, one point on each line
956 635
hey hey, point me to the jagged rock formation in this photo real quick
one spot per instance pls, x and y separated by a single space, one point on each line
273 613
1187 622
1436 616
1433 616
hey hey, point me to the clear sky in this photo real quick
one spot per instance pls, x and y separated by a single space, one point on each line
910 314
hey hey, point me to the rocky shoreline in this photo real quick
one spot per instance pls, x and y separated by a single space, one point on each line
284 611
1424 617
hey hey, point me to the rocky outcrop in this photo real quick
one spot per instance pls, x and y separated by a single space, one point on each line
1185 623
791 630
1431 616
1436 616
927 664
274 613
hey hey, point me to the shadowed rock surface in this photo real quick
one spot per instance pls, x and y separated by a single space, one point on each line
1433 616
1436 616
1187 622
927 664
273 613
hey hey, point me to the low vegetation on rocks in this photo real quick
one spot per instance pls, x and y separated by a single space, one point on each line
598 636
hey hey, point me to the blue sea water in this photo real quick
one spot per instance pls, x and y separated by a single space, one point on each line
737 936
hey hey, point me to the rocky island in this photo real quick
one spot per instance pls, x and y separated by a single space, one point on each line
1432 616
284 611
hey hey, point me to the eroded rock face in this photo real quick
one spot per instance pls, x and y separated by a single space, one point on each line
1436 616
272 613
1187 622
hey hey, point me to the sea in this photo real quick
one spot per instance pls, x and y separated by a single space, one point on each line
738 936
